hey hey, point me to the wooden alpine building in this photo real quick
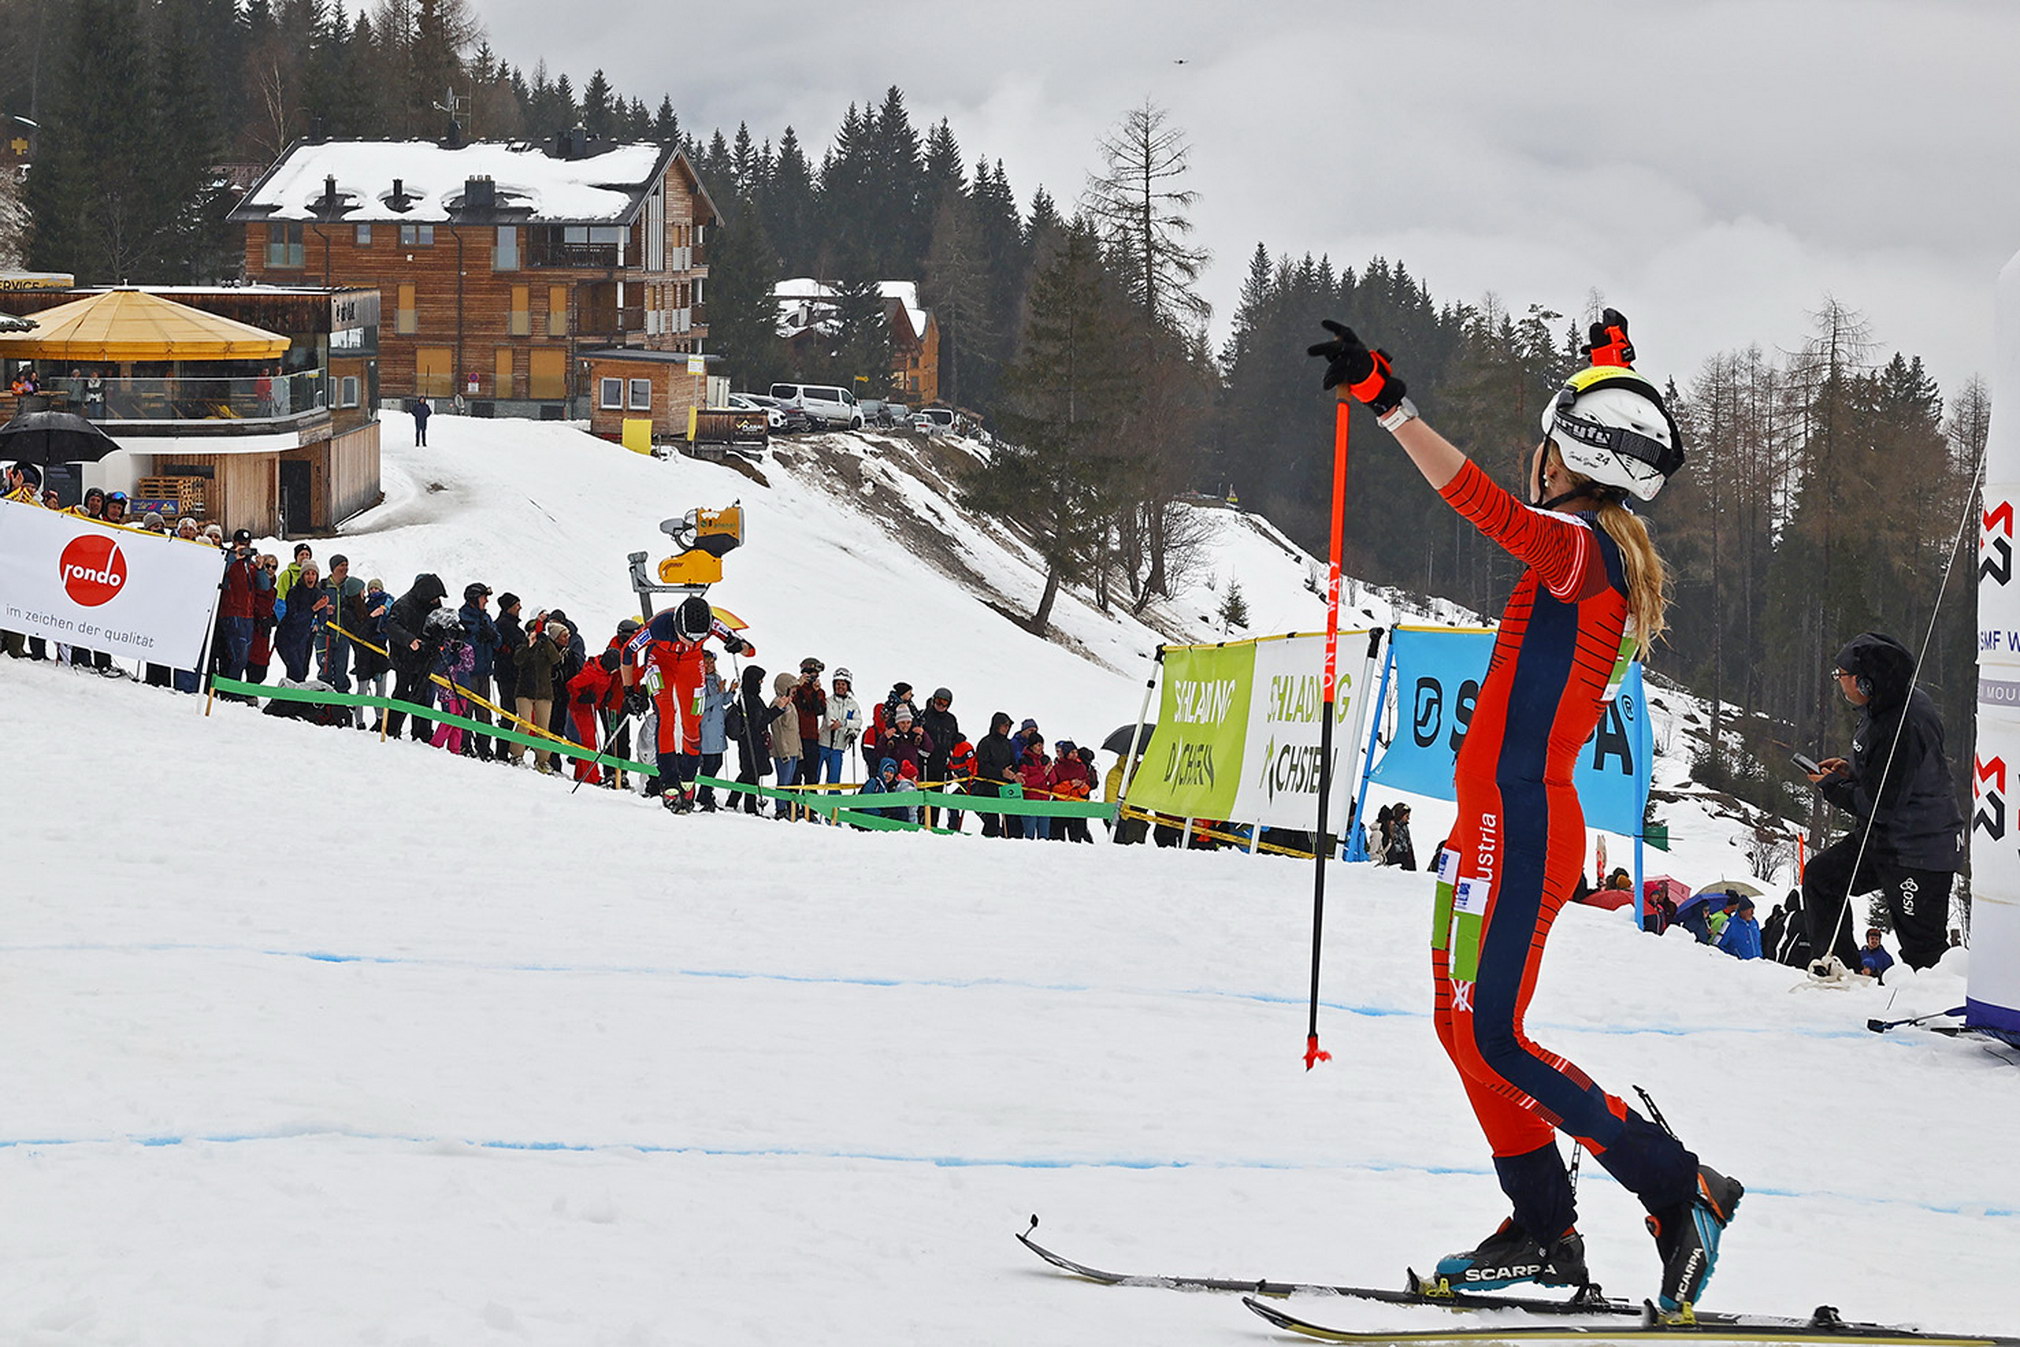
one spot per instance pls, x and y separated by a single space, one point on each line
497 263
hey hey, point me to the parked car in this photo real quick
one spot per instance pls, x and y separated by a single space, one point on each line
775 418
827 404
934 420
796 420
881 412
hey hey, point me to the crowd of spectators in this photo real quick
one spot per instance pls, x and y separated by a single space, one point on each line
491 658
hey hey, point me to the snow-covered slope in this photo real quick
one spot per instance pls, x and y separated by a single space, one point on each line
310 1038
853 552
313 1039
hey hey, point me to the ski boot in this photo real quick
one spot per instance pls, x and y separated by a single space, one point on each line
678 801
1511 1255
1687 1238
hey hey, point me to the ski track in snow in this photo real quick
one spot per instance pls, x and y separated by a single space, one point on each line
312 1039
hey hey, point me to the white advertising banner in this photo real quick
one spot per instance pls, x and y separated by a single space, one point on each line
1993 999
132 594
1280 777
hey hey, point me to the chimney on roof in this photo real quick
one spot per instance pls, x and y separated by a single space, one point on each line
480 194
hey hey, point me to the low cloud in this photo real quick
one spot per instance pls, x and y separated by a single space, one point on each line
1714 167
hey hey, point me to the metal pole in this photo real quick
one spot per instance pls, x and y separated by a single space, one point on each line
1321 843
1360 723
1368 755
1136 734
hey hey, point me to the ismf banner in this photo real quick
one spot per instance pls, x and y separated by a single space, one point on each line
1993 1000
1437 682
131 594
1238 732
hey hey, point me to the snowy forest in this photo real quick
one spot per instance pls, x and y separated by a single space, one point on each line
1826 488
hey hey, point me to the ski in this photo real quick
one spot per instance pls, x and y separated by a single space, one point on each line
1418 1292
1757 1330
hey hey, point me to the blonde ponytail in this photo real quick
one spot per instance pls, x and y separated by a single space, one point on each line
1647 578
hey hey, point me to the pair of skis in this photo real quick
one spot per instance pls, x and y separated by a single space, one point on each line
1586 1314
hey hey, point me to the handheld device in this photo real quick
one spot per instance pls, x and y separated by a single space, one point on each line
1807 763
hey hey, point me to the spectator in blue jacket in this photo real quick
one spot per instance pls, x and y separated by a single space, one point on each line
883 783
483 637
715 702
300 620
1741 936
1874 961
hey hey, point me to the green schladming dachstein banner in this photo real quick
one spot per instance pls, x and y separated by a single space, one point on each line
1193 765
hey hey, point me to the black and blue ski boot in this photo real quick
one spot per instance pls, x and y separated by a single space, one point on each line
1687 1238
1511 1255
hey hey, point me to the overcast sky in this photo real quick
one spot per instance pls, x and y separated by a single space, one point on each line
1712 167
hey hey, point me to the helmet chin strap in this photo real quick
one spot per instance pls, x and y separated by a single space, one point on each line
1573 494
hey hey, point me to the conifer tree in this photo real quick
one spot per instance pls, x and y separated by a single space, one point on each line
598 114
862 333
743 317
1062 418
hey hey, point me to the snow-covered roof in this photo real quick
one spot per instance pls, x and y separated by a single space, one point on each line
805 302
531 184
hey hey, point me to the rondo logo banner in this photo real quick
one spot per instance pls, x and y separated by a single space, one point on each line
93 569
131 594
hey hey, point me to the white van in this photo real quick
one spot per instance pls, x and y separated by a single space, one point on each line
934 420
824 404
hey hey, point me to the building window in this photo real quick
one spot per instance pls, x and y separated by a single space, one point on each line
520 323
610 394
557 310
284 244
364 236
347 391
417 236
641 395
505 256
547 373
405 320
433 372
502 378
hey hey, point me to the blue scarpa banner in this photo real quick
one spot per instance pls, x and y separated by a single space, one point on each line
1437 680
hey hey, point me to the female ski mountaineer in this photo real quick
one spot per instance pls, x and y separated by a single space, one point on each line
1593 588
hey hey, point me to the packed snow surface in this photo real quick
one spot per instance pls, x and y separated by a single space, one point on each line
315 1039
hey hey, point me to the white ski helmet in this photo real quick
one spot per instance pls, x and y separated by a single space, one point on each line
1610 424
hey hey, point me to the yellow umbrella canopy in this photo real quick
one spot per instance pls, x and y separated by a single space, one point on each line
135 325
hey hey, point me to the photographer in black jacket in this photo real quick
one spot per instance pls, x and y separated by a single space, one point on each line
412 650
1909 839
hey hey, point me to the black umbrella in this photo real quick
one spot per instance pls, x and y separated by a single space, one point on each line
54 437
1118 742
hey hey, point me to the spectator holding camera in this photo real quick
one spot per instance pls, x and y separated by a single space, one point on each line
1908 838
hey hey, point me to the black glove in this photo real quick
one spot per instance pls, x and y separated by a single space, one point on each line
736 645
636 703
1607 342
1363 373
584 697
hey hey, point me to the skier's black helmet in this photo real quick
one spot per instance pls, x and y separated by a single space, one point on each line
694 617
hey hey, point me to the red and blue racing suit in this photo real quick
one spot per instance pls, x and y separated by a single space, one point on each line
1515 856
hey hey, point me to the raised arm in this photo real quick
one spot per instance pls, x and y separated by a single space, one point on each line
1558 547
